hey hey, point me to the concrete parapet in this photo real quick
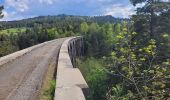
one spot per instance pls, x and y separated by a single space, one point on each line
69 93
71 84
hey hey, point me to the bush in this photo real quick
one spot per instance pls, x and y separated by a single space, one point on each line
95 76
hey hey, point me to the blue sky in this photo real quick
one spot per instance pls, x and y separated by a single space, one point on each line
20 9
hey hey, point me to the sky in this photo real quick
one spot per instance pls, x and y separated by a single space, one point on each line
21 9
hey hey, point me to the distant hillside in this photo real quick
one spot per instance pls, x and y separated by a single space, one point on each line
59 19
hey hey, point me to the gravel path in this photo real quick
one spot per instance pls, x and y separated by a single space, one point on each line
22 78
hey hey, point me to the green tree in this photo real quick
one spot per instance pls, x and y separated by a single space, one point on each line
151 22
140 74
117 28
52 34
1 14
27 39
98 40
6 45
84 27
149 13
43 36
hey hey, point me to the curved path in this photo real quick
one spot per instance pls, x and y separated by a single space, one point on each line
22 78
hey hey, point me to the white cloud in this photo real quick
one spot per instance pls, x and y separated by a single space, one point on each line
11 16
103 0
47 1
5 13
23 5
166 0
18 5
16 9
119 10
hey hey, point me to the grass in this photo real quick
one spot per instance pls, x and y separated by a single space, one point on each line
48 87
49 93
12 30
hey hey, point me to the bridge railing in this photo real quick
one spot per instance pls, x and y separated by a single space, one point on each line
70 83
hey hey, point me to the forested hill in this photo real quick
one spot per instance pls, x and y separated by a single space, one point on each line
51 21
17 35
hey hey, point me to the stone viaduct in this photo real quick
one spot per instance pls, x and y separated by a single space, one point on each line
22 73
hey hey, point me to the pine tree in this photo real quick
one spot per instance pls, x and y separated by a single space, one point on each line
149 13
152 22
1 14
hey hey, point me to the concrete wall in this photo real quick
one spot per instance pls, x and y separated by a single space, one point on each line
70 82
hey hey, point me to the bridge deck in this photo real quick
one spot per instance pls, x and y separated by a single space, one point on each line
22 78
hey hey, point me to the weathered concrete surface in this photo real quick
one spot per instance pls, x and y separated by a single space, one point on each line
71 77
70 93
70 82
21 79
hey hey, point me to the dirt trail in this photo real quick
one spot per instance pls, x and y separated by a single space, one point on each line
22 78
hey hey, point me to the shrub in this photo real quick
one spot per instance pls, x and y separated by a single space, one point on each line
95 76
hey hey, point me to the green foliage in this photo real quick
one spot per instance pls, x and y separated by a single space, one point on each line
7 44
118 92
84 27
141 59
140 73
12 31
27 39
151 18
96 77
52 34
28 32
49 94
99 39
6 47
117 28
138 66
43 36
